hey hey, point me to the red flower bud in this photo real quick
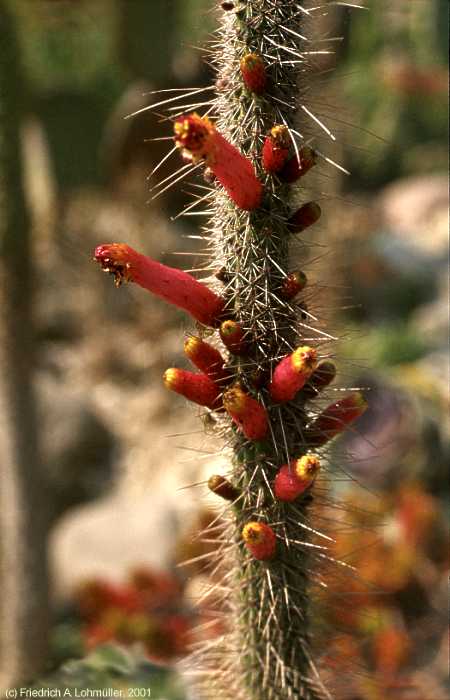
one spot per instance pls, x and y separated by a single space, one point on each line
294 478
298 165
198 137
248 414
260 540
292 284
306 216
253 73
335 419
291 374
206 358
232 335
275 149
175 286
222 487
322 376
196 387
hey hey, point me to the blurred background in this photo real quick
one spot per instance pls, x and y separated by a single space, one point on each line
95 451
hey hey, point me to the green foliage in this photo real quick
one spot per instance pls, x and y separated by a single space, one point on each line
111 666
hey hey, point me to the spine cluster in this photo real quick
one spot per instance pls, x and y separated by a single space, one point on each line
262 373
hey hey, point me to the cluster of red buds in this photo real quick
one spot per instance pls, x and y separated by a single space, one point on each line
213 386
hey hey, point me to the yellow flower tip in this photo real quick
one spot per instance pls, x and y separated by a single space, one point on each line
251 61
228 327
192 344
307 467
193 135
170 377
280 136
116 258
234 400
304 359
254 533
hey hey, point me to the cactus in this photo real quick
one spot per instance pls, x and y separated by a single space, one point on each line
275 360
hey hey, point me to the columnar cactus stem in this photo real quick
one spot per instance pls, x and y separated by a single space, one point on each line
275 369
268 646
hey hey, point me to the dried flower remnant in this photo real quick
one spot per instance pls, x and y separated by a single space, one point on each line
298 165
222 487
260 540
293 284
292 373
322 376
198 137
306 216
335 419
175 286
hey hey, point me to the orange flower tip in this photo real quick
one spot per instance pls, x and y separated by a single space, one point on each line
115 258
253 73
260 540
298 165
304 217
304 359
193 135
293 284
275 149
223 488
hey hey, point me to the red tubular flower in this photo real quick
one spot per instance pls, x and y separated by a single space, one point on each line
291 374
248 414
292 284
306 216
253 73
335 419
232 335
298 165
198 137
260 540
322 376
206 358
175 286
222 487
275 149
196 387
294 478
